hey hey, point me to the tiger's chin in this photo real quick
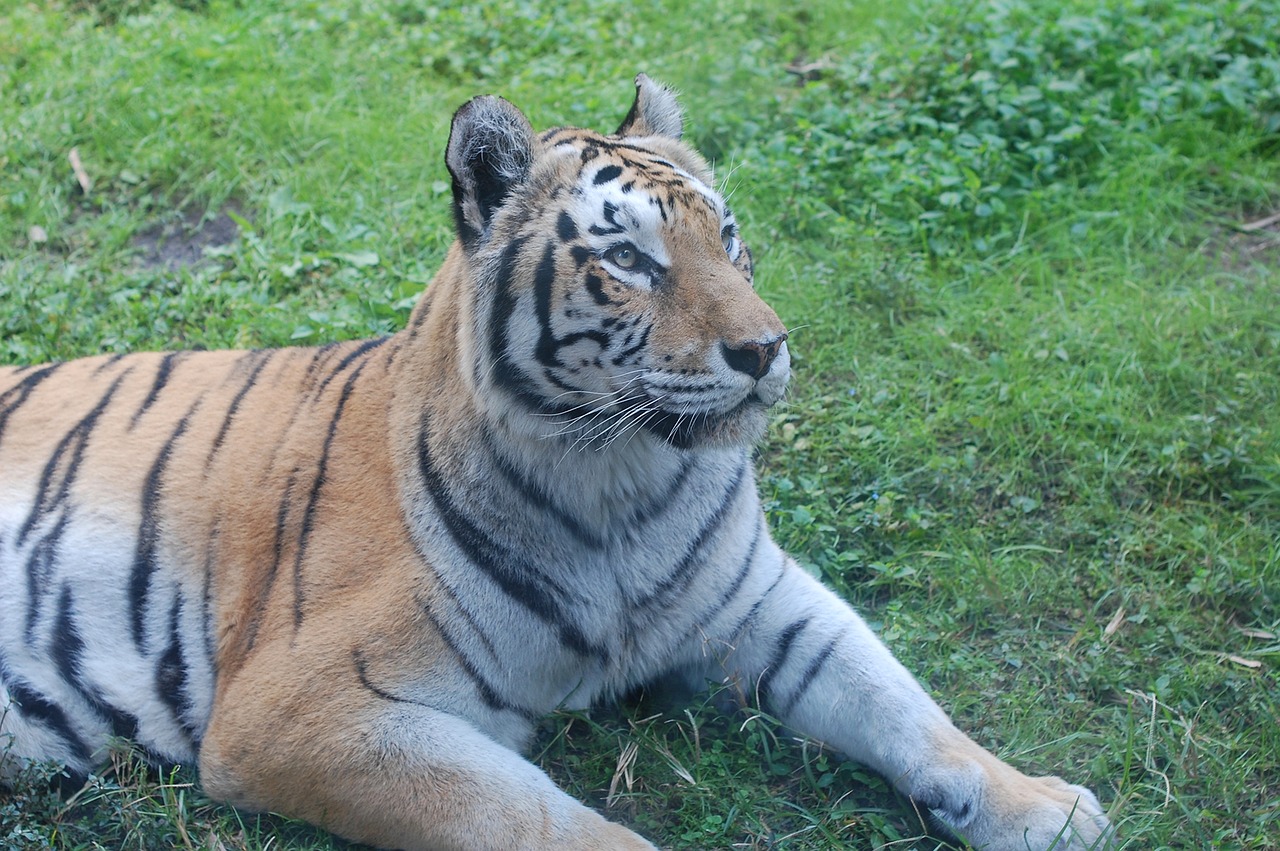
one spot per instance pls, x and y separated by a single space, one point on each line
742 425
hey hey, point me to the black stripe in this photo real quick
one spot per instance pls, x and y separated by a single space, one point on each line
600 338
419 314
595 286
515 576
810 674
24 387
359 351
282 519
66 647
565 227
300 398
755 608
657 201
40 566
488 693
666 501
505 371
543 281
556 382
391 354
747 261
684 385
547 352
144 559
36 707
470 619
277 549
604 175
640 344
262 357
123 724
171 672
726 596
535 494
786 643
507 374
362 674
15 396
317 358
684 571
162 378
443 584
206 590
610 213
108 363
550 136
313 498
74 442
467 234
612 145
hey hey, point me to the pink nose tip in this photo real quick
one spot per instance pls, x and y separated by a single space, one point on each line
753 357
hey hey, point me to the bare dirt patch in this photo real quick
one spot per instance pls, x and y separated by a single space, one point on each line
179 241
1251 244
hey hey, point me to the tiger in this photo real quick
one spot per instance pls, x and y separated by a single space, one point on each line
347 582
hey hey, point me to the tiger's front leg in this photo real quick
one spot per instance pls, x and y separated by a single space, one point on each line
386 771
814 664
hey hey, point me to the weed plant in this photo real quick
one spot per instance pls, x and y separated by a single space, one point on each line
1023 248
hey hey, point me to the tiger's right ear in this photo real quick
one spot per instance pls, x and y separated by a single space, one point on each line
490 152
654 112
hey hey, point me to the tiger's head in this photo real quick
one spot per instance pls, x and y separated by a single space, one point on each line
613 292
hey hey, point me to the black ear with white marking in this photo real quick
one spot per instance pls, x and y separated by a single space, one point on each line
489 154
655 112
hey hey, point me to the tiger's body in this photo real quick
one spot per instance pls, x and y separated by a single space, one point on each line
349 580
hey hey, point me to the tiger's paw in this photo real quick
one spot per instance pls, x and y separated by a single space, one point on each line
613 837
1006 810
603 835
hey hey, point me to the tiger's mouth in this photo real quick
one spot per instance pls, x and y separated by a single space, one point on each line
743 424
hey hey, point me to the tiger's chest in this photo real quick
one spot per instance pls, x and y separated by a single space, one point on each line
593 594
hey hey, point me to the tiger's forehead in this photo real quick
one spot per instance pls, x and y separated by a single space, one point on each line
632 174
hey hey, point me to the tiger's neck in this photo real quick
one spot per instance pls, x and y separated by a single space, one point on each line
461 434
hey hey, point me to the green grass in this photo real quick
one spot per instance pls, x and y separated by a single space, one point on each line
1032 431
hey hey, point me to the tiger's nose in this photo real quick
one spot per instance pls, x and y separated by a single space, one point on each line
753 358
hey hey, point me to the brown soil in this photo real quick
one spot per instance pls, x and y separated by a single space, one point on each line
180 241
1251 244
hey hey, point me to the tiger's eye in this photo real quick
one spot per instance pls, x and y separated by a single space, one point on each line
624 257
726 239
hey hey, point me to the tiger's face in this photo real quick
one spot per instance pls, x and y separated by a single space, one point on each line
622 300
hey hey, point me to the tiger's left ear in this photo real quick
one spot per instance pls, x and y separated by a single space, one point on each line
655 112
490 153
